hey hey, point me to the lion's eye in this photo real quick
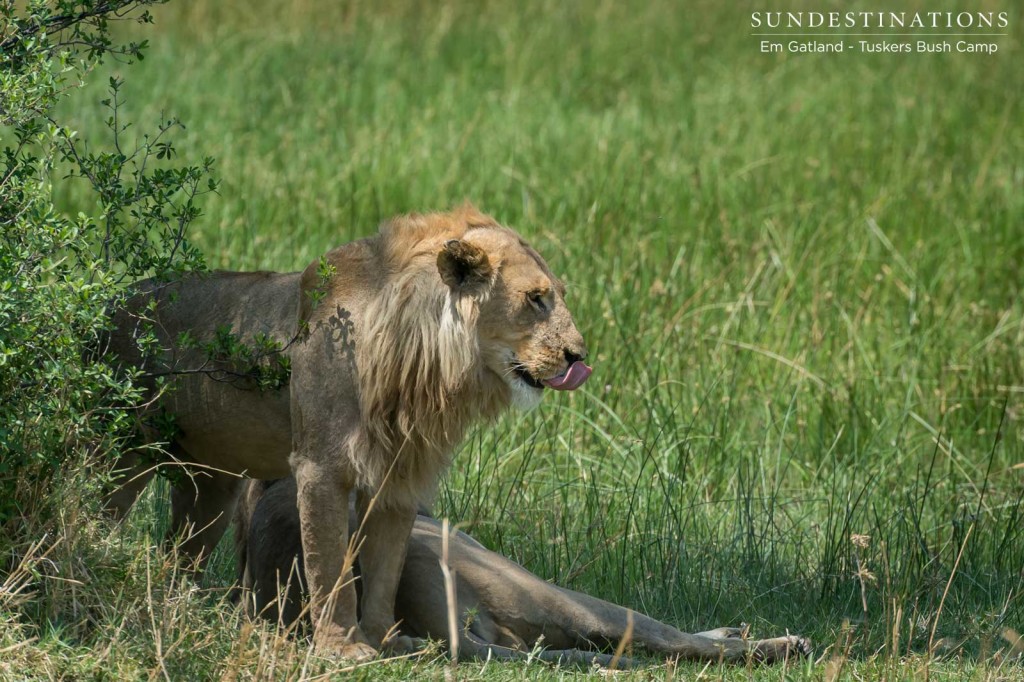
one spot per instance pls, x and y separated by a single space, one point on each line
536 298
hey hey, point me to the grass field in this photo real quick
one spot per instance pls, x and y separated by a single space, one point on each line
800 278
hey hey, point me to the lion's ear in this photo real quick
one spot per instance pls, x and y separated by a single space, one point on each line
463 266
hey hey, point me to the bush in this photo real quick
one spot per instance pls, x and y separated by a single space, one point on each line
61 405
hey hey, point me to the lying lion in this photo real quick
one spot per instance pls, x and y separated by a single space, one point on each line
397 343
503 611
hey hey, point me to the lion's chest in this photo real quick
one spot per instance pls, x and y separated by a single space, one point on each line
403 475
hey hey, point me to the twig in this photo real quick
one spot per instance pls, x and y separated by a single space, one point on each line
942 602
450 596
627 639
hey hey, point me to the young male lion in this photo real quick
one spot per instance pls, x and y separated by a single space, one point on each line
436 321
502 610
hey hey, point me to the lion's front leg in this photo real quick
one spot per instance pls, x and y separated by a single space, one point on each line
323 520
386 530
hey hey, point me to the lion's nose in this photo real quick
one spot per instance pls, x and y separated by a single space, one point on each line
572 357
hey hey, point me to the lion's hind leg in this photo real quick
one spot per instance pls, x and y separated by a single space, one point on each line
778 649
733 646
595 620
129 478
202 504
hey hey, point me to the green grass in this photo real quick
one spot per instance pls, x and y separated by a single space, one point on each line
799 277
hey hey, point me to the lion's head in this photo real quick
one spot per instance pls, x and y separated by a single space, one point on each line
469 319
525 332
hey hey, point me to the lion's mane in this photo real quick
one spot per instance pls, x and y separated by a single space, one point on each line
421 378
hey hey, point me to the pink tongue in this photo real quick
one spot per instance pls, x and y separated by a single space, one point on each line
572 379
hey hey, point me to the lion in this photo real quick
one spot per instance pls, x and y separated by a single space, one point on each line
396 343
502 610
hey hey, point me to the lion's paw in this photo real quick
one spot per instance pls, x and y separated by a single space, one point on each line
357 652
398 645
802 645
350 648
782 648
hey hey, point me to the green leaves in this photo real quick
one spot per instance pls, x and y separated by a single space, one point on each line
258 363
145 205
324 272
61 275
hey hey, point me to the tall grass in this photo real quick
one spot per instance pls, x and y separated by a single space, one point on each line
799 277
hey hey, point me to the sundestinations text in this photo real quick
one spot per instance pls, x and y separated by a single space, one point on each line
950 20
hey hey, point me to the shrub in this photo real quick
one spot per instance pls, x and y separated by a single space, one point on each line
61 405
